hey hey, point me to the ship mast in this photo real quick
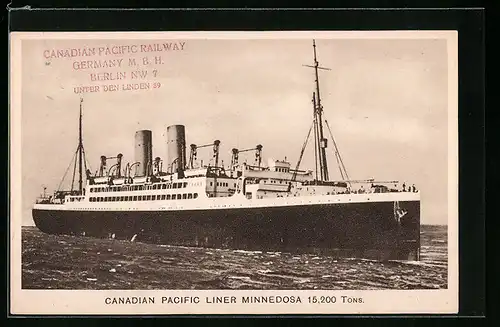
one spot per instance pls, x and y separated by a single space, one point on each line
78 157
80 152
320 140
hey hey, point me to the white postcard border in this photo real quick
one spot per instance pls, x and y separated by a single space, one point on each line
64 302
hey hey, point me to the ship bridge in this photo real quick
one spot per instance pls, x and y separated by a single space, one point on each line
279 170
279 166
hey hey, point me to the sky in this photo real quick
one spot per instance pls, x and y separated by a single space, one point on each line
385 100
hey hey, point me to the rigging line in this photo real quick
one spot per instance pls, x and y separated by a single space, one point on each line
343 166
87 164
74 172
294 176
345 170
337 157
337 150
301 153
338 163
66 172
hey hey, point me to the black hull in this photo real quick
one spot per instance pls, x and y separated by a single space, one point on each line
366 230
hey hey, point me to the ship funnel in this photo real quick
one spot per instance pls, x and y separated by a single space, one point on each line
176 148
143 152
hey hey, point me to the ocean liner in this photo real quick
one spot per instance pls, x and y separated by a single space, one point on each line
273 207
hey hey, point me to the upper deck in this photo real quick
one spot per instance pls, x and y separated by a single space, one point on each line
211 191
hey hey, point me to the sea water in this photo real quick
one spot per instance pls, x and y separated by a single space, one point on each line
68 262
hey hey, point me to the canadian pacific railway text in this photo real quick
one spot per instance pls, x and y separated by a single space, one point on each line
113 50
132 67
272 299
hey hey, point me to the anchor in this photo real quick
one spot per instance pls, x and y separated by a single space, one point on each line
398 212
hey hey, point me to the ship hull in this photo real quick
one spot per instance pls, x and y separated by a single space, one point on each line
368 230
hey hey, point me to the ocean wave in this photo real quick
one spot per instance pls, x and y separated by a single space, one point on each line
420 263
48 262
247 252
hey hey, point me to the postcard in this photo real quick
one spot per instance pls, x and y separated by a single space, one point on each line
233 173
